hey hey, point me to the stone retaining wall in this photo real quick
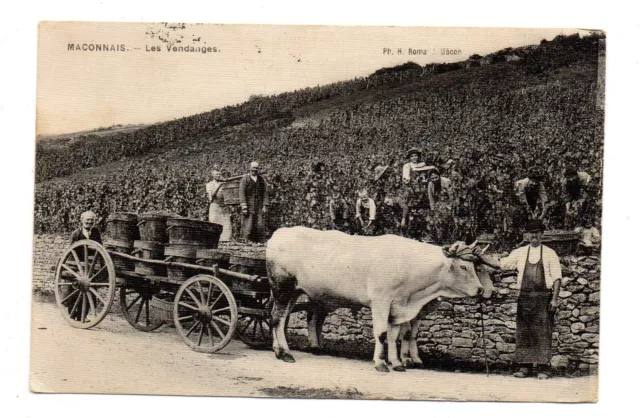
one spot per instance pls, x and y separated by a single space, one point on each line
453 333
46 251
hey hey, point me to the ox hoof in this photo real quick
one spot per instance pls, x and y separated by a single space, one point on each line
382 368
287 358
314 350
399 368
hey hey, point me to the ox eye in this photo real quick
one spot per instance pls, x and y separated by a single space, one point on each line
463 267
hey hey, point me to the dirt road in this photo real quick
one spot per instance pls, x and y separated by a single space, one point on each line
115 358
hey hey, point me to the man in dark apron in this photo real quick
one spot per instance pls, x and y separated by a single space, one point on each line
539 275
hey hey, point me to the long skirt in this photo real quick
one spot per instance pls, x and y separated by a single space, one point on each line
217 215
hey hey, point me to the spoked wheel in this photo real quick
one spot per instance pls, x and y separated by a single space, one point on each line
205 313
135 299
85 284
254 328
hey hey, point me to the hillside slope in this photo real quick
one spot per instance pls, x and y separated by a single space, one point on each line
520 108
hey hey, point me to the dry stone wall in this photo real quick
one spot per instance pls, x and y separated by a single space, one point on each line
453 333
46 251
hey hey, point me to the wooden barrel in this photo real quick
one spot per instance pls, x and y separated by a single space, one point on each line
231 191
122 226
193 232
249 265
180 254
562 242
149 250
124 247
209 257
153 227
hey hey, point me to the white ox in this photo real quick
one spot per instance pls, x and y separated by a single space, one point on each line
395 277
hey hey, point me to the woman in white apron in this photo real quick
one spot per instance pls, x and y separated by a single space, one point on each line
217 213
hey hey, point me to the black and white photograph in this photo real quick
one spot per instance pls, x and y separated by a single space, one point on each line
318 212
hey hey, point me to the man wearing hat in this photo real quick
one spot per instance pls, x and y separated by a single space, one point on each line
414 193
413 155
382 180
574 194
254 203
538 279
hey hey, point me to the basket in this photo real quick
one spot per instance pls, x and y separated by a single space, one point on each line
163 307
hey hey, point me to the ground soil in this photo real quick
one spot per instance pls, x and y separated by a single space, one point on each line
115 358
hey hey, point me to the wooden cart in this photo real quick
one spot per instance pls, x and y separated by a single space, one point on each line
208 308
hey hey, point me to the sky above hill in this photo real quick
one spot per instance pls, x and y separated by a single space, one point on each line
152 72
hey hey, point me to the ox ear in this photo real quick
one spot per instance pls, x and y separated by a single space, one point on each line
485 281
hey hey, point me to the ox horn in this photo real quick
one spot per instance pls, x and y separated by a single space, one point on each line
472 246
485 249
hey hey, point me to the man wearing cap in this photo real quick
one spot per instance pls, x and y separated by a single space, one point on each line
532 194
574 194
254 203
538 279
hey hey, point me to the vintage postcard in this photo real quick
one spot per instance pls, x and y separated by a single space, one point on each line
318 211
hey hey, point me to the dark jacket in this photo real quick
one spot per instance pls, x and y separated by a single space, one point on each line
253 194
94 235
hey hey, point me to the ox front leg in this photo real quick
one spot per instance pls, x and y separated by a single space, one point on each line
393 331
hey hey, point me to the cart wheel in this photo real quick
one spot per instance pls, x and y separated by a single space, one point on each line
205 313
135 304
255 330
85 284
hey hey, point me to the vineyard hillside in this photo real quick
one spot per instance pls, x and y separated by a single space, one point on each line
500 114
